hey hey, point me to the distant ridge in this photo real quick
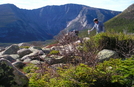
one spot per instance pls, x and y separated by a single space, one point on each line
21 25
123 22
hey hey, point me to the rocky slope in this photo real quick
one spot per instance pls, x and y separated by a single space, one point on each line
21 25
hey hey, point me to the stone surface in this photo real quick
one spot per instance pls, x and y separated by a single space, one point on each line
15 56
106 54
25 57
33 48
10 76
27 60
11 49
34 55
23 52
36 62
54 59
19 64
58 59
9 58
46 50
43 56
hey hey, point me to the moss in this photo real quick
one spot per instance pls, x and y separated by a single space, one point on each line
54 52
24 47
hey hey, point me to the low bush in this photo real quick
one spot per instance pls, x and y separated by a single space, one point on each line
112 73
119 42
30 68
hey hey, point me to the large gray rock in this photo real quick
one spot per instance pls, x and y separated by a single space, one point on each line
19 64
54 59
27 60
36 62
10 76
23 52
11 49
25 57
9 58
106 54
43 56
34 55
46 50
15 56
33 48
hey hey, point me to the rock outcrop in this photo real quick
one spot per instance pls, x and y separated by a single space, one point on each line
10 76
38 55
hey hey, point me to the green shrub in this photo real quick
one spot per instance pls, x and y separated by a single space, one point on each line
112 73
39 76
119 42
30 68
116 72
38 80
54 52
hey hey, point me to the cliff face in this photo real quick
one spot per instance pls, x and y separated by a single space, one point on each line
21 25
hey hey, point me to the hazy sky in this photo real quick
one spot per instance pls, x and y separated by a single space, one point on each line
117 5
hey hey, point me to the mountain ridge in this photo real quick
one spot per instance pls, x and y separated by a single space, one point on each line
22 25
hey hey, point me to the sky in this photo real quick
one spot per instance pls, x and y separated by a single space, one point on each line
116 5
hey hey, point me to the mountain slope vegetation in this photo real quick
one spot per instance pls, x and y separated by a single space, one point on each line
124 22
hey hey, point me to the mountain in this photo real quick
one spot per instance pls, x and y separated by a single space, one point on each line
17 26
84 20
22 25
123 22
